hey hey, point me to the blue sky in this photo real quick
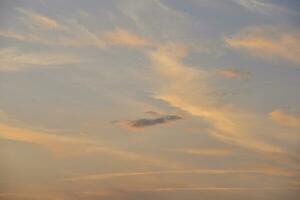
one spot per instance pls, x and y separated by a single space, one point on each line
151 99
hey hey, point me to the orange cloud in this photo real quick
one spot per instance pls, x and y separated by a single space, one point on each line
40 21
268 42
285 119
265 171
123 37
188 89
205 152
63 145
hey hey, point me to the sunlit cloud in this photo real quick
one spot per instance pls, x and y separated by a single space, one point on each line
123 37
62 146
179 83
70 32
40 21
268 42
234 73
205 152
178 189
285 118
104 176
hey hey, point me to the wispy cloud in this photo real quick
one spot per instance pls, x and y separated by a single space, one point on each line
205 152
122 37
200 188
179 83
39 21
285 118
63 145
234 73
268 42
93 177
261 6
70 32
12 59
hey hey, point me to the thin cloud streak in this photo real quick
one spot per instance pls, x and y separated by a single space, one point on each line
285 119
233 73
268 43
261 6
73 146
179 83
205 152
12 59
264 171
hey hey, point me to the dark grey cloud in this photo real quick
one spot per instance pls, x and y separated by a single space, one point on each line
146 122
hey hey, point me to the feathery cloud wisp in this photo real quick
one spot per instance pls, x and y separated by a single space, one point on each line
261 6
285 119
12 59
40 21
179 83
205 152
234 73
265 171
268 42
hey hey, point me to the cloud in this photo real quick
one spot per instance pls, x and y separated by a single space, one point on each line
285 119
62 145
40 21
172 189
145 122
12 59
104 176
188 89
234 73
261 6
71 33
268 42
57 143
205 152
122 37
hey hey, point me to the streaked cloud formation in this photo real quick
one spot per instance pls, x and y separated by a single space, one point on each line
261 6
285 118
234 73
67 68
12 59
205 152
40 21
267 42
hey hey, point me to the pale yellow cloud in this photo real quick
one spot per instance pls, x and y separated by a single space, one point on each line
285 118
205 152
268 42
40 21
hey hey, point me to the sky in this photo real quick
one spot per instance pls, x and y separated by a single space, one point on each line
149 99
